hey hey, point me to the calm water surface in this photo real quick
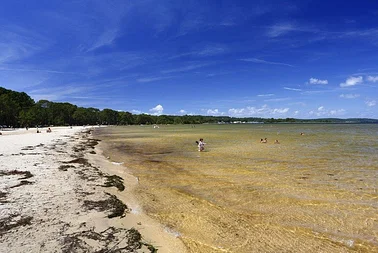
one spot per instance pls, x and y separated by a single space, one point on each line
315 192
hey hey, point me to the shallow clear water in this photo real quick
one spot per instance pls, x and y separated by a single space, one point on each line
315 192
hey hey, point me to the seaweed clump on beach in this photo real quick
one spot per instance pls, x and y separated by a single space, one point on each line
92 142
115 181
3 197
110 240
65 167
88 144
27 174
10 222
22 182
116 207
79 160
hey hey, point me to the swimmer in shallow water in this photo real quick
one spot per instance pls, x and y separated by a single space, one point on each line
264 140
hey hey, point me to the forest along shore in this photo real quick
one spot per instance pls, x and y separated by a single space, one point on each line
53 199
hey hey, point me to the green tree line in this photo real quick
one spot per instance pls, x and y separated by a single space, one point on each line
17 109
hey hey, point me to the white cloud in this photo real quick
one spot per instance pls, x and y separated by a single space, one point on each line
255 60
371 103
349 96
351 81
264 111
280 111
182 111
136 112
323 112
235 112
293 89
372 79
318 81
157 110
336 112
280 29
265 95
214 112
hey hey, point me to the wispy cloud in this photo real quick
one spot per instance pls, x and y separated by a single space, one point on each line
105 27
58 93
207 51
317 81
194 19
292 89
372 79
264 111
311 92
17 43
211 51
37 70
359 33
371 103
322 111
153 79
352 81
281 29
350 96
185 68
105 39
277 99
266 95
255 60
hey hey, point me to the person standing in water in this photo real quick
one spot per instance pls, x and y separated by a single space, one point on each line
201 145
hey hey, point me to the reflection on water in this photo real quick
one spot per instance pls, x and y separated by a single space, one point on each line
315 192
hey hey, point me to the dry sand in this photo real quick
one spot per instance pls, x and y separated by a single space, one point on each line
59 194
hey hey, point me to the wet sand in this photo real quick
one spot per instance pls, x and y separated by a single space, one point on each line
310 193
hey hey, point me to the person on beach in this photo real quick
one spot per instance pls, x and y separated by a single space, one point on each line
48 130
276 142
264 140
201 145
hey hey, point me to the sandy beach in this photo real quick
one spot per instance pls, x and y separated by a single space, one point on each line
59 194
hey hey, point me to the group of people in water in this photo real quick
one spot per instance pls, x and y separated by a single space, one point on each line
265 140
201 143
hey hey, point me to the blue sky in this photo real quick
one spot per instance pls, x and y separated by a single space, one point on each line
301 59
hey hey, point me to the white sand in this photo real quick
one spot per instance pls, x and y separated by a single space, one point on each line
47 212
